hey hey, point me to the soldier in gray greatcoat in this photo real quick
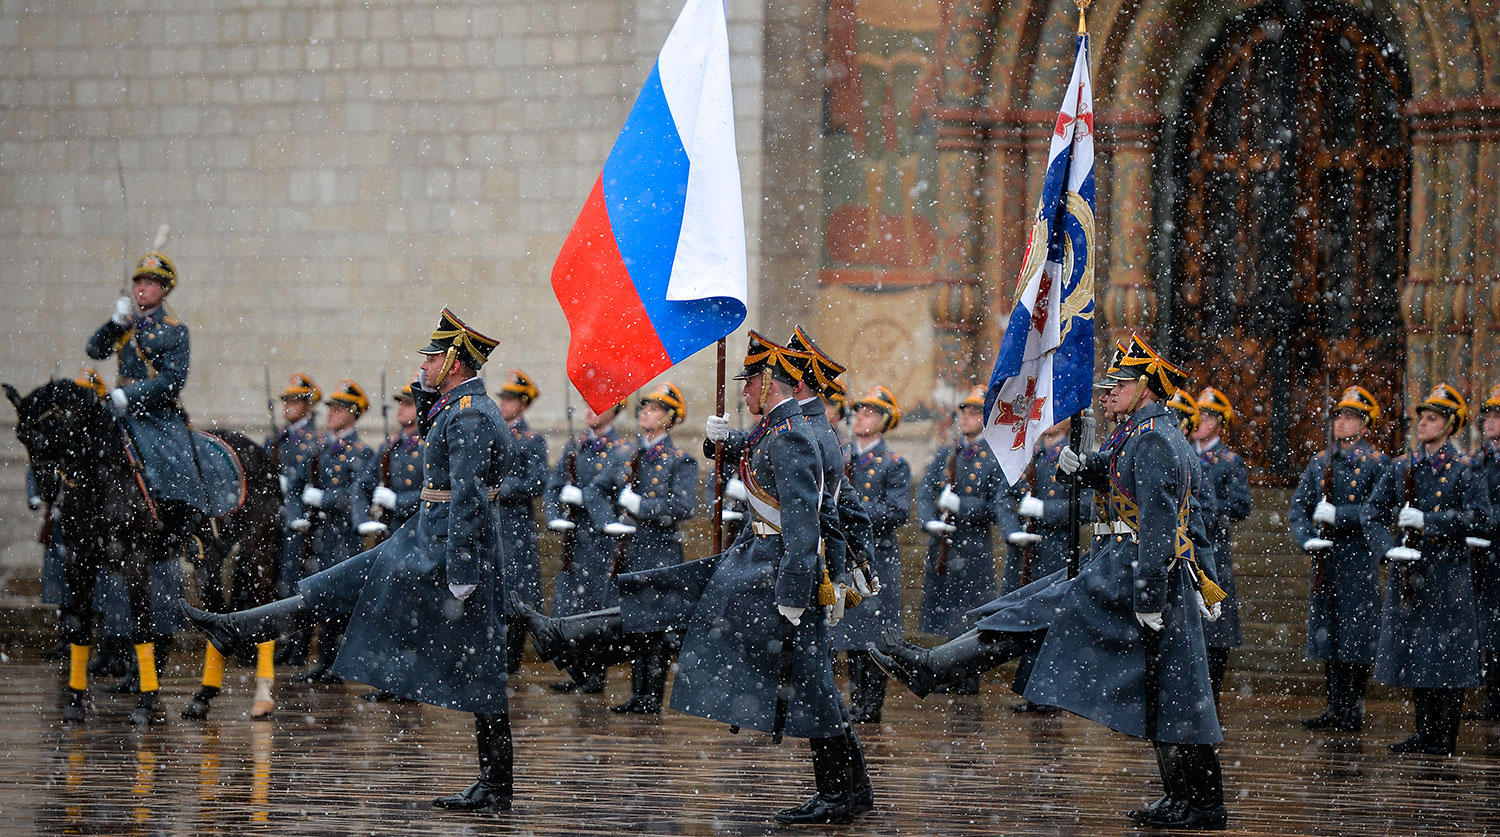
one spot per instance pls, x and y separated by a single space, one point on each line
961 497
1229 477
755 650
1429 633
1487 558
582 508
656 490
1034 521
1345 553
295 448
881 481
332 504
425 615
527 480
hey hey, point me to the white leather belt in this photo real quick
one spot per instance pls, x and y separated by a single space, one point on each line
763 529
1116 527
443 495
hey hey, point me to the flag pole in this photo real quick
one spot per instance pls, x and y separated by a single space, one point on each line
719 458
1075 431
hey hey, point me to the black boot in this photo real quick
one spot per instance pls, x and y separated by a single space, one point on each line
1218 661
1199 777
234 633
647 688
493 790
1352 701
148 710
924 670
1490 709
515 643
1421 739
1333 678
292 650
831 772
1174 798
330 640
114 656
1448 708
596 634
637 685
866 688
862 792
76 709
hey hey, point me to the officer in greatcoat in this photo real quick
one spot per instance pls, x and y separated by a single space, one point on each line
295 447
881 481
656 490
1429 632
1487 558
755 649
523 486
960 499
396 472
1344 557
425 615
1034 521
1229 477
332 503
582 508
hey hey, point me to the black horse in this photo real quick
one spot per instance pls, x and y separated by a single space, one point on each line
106 520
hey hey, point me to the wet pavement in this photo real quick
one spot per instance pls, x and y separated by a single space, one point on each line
332 763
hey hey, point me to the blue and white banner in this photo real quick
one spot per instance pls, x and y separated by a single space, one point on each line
1045 368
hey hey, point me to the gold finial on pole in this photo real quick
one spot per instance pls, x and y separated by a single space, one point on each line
1083 7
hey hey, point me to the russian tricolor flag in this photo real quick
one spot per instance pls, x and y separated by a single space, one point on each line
654 268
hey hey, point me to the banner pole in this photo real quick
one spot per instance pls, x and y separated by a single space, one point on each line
719 457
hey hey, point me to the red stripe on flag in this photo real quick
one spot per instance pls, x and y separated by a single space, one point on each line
613 349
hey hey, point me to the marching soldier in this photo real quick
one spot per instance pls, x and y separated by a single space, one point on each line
882 482
1487 558
1035 523
295 446
1428 631
337 495
520 558
755 650
1345 553
586 584
424 605
657 490
962 495
1228 477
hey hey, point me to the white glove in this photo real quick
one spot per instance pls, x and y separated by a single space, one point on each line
118 403
866 583
461 591
1410 518
948 501
1477 543
938 527
281 478
792 614
716 428
1023 538
1149 620
834 613
571 494
313 496
1317 544
1031 507
33 502
1209 613
618 529
630 501
560 525
735 490
1324 512
1068 461
371 527
1402 553
124 311
383 497
301 524
731 514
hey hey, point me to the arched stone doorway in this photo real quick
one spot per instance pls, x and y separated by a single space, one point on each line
1291 172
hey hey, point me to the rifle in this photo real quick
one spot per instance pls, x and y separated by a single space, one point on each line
1320 566
622 544
379 512
314 516
1408 553
273 449
940 566
1027 549
570 537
